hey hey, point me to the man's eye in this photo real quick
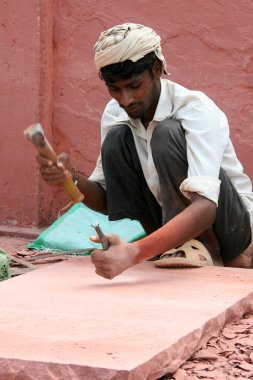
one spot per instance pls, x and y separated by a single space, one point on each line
135 85
112 89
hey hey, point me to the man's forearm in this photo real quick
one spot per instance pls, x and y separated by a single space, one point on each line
187 225
94 194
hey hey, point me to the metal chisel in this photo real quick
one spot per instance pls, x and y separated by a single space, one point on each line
103 239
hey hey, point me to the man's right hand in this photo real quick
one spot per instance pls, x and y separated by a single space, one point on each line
54 174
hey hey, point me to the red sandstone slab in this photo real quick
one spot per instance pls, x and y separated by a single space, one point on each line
65 322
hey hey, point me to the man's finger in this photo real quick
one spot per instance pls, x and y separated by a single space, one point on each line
95 238
114 239
105 274
43 161
62 160
50 170
99 256
103 267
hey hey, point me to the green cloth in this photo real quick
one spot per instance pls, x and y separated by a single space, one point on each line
73 229
4 265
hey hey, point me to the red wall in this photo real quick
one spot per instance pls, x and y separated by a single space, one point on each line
47 74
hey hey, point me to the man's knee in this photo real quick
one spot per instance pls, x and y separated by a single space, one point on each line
117 132
168 138
114 138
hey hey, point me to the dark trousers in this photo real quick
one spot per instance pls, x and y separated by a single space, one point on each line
128 195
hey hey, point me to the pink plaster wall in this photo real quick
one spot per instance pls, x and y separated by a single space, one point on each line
25 97
19 99
208 46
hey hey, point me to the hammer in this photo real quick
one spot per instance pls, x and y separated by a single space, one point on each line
36 134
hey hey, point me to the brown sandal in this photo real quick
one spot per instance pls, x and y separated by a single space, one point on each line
191 254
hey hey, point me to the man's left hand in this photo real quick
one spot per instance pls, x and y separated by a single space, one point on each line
116 259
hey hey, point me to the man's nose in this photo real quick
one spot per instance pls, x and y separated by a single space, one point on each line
126 99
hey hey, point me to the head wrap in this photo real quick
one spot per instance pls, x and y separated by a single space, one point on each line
127 42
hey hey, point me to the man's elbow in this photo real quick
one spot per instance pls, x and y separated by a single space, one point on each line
206 207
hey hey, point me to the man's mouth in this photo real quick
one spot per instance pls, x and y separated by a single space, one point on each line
133 108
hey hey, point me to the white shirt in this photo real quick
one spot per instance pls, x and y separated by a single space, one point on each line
208 144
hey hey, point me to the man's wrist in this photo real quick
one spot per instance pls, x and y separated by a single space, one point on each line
135 253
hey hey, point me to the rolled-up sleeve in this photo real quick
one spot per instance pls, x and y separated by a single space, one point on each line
207 134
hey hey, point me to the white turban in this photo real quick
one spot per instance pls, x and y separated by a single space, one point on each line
127 42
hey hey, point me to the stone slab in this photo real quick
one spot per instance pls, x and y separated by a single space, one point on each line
65 322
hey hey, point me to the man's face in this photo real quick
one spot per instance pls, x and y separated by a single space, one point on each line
138 95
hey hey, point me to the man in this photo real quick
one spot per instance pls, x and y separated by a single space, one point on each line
166 160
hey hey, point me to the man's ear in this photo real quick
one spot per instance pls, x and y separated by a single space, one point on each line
157 68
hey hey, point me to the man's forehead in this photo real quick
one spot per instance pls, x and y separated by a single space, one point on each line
125 81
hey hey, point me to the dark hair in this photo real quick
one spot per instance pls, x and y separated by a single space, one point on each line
127 69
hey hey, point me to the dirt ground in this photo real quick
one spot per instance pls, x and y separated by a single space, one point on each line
226 357
16 247
13 244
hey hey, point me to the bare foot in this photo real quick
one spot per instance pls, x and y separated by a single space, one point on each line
244 260
209 239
